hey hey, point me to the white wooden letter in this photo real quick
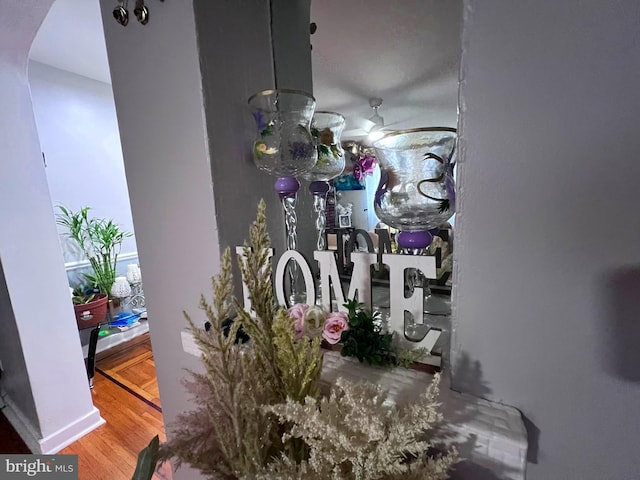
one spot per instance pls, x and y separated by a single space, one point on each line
398 302
330 278
306 274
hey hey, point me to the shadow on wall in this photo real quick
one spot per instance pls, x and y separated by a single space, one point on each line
467 376
621 323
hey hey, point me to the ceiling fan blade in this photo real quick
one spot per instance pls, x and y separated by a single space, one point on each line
360 125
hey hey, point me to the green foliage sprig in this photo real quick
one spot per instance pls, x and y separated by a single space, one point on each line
147 459
368 342
365 339
79 297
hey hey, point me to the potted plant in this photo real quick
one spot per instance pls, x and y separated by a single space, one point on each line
90 306
100 241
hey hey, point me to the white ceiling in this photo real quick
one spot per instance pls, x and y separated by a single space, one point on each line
72 38
406 52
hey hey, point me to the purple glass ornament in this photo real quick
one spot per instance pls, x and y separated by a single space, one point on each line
319 187
287 186
412 240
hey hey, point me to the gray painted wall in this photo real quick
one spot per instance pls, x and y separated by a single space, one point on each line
238 185
548 236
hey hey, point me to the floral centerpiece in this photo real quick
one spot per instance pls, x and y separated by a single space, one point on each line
364 160
259 412
363 164
358 332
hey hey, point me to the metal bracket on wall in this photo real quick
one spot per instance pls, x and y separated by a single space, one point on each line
121 12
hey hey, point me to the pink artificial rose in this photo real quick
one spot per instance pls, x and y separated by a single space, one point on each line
296 313
334 325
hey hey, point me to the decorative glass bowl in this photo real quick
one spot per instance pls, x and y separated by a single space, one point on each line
416 192
284 146
326 128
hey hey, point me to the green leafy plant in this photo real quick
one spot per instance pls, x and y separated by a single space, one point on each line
99 240
80 297
147 460
368 342
365 339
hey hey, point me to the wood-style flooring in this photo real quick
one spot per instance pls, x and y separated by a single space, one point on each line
126 393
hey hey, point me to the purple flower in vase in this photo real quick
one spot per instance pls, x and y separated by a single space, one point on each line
259 119
364 167
265 128
368 164
357 173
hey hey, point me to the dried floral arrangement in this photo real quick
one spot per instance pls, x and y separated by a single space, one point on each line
259 411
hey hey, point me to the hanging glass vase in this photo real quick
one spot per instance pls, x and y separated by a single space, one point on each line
416 193
285 148
326 128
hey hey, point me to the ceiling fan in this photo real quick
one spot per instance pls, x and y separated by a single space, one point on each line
373 128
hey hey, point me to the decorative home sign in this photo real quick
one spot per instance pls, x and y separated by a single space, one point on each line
360 286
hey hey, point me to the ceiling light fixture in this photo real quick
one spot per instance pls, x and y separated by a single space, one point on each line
376 131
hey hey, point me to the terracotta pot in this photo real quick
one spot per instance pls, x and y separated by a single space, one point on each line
90 314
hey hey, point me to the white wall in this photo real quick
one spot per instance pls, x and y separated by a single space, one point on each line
78 131
548 236
43 323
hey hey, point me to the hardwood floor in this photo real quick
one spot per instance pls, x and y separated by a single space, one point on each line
126 393
134 370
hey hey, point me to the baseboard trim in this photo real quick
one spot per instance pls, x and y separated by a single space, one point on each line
70 433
